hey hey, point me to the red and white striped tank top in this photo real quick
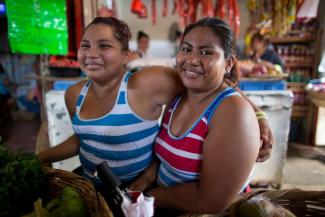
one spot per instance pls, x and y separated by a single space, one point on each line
181 157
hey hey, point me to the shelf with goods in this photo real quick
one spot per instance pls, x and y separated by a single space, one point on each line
298 50
297 41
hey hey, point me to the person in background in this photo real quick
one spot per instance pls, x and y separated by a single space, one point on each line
31 101
209 139
114 114
143 41
6 99
263 54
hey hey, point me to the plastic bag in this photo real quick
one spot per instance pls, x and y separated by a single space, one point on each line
143 207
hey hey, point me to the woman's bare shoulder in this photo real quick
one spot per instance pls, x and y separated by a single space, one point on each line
71 95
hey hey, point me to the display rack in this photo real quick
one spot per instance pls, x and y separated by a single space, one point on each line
300 57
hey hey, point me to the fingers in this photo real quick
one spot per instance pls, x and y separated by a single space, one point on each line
263 154
137 186
266 142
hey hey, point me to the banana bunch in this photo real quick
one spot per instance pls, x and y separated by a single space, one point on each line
68 205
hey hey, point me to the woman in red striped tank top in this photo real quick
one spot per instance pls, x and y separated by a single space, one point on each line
209 139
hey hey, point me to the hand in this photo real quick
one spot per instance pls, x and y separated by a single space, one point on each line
267 140
140 184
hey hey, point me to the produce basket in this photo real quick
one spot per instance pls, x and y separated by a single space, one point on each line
299 202
317 97
58 179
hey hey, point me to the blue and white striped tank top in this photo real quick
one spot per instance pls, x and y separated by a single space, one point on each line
120 137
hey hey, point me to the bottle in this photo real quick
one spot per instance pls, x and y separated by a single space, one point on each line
112 189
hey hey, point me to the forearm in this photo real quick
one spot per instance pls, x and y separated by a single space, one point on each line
150 173
147 178
188 197
66 149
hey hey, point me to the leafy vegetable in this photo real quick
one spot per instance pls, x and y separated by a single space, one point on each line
22 181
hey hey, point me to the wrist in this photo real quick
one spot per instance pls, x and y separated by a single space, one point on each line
260 115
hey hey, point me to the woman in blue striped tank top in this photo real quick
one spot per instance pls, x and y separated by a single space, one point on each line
114 114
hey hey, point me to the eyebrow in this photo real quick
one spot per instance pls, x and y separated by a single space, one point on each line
100 40
201 47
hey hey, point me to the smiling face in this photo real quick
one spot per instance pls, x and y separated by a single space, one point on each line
143 44
200 60
258 46
100 54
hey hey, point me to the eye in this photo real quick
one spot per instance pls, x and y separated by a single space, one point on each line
185 49
84 45
206 52
105 46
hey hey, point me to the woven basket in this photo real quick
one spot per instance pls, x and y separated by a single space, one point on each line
58 179
301 203
317 97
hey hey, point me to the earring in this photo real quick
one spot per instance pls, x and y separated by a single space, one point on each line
227 74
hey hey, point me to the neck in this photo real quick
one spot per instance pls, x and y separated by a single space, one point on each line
195 97
102 89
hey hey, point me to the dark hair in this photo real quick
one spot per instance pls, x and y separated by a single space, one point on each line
121 29
142 34
258 36
225 35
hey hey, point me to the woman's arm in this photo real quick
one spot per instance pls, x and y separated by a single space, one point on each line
229 153
64 150
267 138
147 177
160 84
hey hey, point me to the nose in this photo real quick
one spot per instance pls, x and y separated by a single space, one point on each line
92 52
193 58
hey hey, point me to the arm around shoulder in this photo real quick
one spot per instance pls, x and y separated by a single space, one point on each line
162 83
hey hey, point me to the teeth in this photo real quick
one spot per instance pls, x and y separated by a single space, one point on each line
191 73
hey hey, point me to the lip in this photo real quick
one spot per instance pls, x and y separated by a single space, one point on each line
192 74
93 66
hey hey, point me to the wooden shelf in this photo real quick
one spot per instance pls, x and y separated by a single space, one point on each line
296 84
288 40
299 111
51 78
297 89
299 65
299 107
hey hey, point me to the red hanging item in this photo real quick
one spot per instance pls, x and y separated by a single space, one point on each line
193 15
175 7
186 8
165 8
236 17
154 12
207 8
139 8
231 14
219 9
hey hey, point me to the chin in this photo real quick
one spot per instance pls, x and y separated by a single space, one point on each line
190 84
